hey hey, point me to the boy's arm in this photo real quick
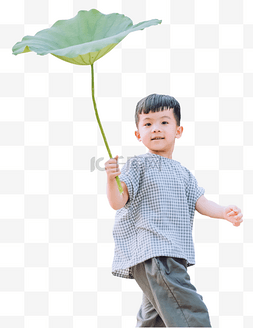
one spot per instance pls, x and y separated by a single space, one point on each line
209 208
116 200
230 213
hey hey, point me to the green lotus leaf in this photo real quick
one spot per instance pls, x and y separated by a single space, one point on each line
82 39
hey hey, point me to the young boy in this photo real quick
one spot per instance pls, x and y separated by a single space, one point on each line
154 219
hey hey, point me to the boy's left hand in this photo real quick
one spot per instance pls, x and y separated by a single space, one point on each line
233 214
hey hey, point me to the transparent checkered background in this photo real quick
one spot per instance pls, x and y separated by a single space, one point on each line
56 243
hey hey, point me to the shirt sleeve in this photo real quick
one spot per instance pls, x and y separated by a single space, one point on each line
193 191
130 174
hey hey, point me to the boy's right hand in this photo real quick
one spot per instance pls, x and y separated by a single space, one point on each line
112 168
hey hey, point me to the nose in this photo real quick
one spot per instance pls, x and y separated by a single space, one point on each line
155 128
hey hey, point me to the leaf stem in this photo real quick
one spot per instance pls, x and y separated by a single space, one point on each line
100 126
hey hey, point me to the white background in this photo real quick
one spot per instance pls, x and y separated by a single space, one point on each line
56 243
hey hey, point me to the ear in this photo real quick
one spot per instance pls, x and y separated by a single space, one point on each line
137 134
180 130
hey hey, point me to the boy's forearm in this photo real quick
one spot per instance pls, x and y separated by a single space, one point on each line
211 209
116 199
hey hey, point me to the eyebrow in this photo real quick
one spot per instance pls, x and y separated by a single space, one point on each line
148 118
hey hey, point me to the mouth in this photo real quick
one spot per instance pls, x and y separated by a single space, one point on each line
158 138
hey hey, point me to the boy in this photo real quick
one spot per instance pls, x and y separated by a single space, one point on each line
154 219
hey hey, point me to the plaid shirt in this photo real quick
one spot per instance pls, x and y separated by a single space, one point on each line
157 219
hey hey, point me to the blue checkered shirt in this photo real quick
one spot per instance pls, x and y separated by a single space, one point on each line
157 219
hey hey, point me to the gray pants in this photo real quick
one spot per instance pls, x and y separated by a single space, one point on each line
169 298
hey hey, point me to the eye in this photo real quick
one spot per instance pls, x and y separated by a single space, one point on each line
165 122
146 124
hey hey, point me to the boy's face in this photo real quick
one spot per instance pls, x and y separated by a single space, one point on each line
159 124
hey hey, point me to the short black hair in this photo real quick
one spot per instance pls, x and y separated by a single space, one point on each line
156 103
